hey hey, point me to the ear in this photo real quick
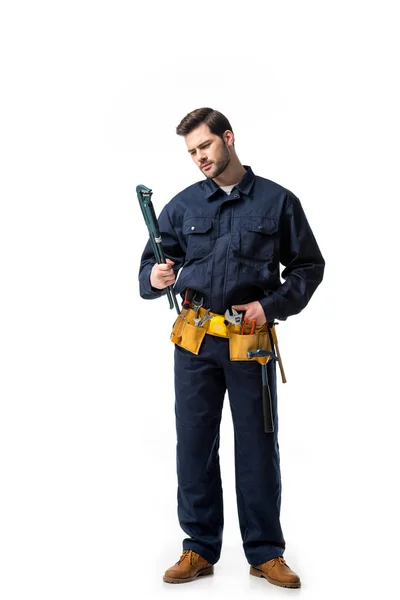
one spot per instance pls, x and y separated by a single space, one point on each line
229 137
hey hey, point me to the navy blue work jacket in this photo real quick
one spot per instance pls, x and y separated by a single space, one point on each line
230 247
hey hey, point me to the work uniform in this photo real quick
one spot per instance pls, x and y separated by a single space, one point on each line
229 249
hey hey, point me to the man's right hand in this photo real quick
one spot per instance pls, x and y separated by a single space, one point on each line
162 275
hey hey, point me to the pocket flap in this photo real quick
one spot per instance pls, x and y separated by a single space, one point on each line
196 225
260 225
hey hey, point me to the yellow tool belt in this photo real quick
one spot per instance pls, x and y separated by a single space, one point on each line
189 336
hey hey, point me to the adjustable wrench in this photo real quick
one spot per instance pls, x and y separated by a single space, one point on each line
234 316
199 322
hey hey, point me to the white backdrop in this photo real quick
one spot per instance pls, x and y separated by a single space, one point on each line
91 95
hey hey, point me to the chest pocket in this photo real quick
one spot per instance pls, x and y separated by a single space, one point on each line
198 232
258 237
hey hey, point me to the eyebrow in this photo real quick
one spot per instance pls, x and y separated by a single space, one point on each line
200 145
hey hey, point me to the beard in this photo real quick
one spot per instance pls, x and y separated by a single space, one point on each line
219 165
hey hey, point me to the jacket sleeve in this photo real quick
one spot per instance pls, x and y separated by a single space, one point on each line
303 262
172 250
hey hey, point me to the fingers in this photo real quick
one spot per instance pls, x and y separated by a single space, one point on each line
169 280
165 271
253 311
259 319
162 275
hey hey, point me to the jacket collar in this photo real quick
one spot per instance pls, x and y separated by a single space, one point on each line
244 185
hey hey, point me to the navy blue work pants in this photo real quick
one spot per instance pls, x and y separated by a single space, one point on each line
200 385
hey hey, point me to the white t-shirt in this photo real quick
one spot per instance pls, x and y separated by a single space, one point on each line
227 188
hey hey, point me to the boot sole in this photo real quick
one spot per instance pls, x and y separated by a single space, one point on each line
206 571
258 573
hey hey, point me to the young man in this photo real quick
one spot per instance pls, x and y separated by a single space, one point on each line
229 233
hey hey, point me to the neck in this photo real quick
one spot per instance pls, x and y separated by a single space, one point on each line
232 174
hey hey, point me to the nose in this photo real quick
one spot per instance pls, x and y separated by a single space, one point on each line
202 156
202 159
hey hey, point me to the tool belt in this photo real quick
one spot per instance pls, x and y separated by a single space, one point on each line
189 336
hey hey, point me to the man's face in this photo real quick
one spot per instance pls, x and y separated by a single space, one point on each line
210 153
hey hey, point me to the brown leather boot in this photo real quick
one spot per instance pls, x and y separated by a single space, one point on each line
189 566
276 571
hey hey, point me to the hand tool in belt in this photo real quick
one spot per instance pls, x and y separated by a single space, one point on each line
187 302
216 326
199 321
144 195
245 322
197 302
234 316
266 392
275 340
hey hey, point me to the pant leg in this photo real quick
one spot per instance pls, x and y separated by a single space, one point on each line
199 389
257 465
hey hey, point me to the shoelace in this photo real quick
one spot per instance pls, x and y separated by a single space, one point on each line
279 559
186 553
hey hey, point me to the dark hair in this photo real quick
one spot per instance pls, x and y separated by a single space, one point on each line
215 120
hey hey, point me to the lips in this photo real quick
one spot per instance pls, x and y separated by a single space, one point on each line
206 166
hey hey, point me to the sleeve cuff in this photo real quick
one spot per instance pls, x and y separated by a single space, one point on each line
147 291
270 307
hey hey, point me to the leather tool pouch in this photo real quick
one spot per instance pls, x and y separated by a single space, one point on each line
186 335
241 344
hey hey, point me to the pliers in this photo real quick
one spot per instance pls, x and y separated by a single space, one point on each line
245 322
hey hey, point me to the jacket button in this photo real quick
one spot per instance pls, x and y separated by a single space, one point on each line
260 227
193 228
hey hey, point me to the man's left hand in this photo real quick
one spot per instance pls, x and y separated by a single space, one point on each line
254 310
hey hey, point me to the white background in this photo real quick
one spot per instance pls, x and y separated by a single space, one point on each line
91 95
